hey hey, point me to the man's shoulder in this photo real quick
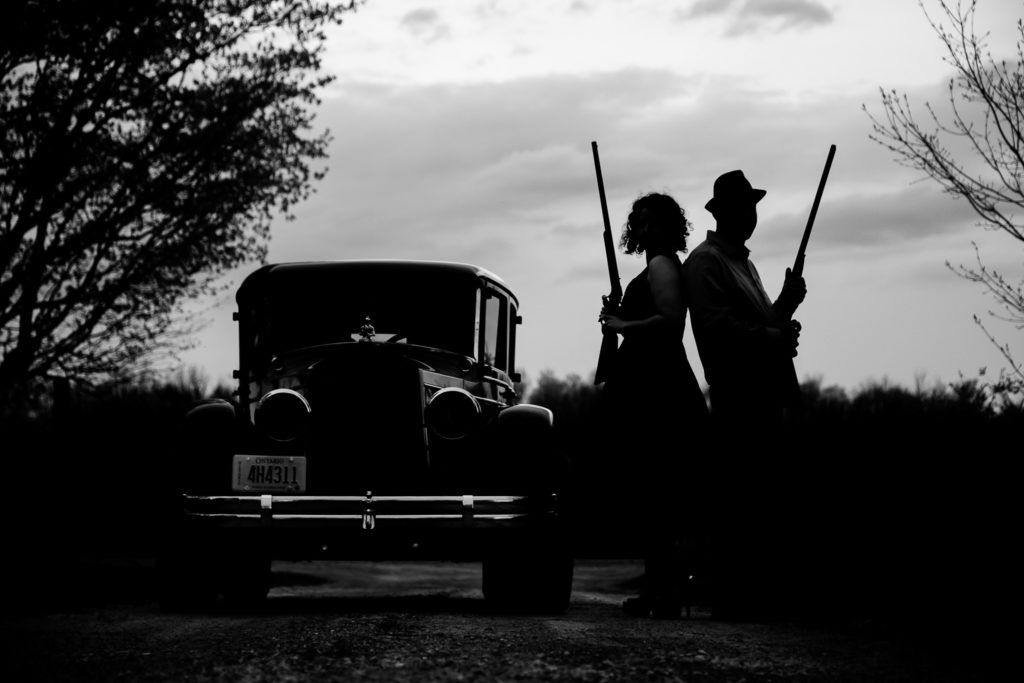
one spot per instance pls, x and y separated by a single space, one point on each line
704 253
703 248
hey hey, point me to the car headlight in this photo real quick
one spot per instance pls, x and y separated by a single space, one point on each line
282 414
452 413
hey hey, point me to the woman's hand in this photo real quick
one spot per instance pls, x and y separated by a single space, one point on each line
610 321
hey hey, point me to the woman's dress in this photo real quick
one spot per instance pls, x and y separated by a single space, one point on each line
658 427
652 389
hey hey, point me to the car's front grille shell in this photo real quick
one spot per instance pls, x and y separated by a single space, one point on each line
366 431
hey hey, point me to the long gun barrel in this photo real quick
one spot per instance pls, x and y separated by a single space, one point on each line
798 264
610 341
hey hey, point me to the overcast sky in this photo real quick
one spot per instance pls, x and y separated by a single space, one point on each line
462 132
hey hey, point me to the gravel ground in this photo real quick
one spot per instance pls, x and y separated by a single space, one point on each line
354 621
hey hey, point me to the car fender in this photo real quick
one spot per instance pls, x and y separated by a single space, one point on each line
210 432
210 412
528 442
526 417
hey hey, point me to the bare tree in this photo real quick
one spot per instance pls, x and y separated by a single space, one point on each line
145 148
985 121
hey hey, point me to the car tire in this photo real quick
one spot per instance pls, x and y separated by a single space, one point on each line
245 581
533 576
183 584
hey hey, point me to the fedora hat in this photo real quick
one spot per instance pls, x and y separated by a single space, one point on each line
733 188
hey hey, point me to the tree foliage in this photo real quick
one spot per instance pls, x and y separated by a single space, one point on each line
975 150
145 148
572 399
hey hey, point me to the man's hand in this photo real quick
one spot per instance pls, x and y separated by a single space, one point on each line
786 338
794 290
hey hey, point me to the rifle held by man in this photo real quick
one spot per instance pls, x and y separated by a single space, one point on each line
609 340
798 265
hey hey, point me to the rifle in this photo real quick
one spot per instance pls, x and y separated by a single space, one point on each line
798 265
609 340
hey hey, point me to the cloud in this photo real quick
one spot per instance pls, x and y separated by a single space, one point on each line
703 8
499 171
418 19
436 169
596 271
789 12
570 233
425 24
491 10
893 220
753 16
502 175
473 151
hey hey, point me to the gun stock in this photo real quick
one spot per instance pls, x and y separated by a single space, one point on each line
609 340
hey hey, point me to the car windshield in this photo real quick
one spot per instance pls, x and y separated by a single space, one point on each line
309 309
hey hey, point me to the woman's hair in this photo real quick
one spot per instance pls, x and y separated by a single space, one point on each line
656 224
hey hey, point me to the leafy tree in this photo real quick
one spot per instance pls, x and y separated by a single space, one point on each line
985 117
571 399
575 404
145 148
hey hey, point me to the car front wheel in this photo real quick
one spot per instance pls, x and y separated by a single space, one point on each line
532 576
184 581
245 580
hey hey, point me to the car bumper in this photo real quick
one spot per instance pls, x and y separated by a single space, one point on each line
358 526
365 512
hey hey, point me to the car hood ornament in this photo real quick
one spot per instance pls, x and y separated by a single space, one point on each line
366 332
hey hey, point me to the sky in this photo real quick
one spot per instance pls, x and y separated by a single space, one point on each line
462 132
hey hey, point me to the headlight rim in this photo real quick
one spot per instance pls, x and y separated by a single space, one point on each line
470 424
298 426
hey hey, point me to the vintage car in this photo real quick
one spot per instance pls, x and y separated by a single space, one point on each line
376 418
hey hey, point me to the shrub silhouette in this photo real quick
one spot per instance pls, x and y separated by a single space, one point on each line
893 504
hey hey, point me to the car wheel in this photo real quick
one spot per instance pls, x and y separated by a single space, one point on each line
245 581
184 584
530 576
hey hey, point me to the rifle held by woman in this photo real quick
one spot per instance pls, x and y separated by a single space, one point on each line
609 340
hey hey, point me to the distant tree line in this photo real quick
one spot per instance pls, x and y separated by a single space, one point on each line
894 503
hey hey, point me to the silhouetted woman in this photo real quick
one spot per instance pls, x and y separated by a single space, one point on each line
657 405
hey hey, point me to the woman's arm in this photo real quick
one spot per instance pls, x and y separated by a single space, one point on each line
666 290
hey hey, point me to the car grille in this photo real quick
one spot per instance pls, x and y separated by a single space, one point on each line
367 425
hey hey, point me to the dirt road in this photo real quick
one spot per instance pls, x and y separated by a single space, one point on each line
351 621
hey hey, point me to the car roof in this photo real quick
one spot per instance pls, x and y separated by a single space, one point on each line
276 272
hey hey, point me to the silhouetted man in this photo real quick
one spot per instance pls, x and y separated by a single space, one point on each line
746 344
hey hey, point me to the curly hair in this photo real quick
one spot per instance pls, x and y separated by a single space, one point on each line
656 224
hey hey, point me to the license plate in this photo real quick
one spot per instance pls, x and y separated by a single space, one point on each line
269 473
